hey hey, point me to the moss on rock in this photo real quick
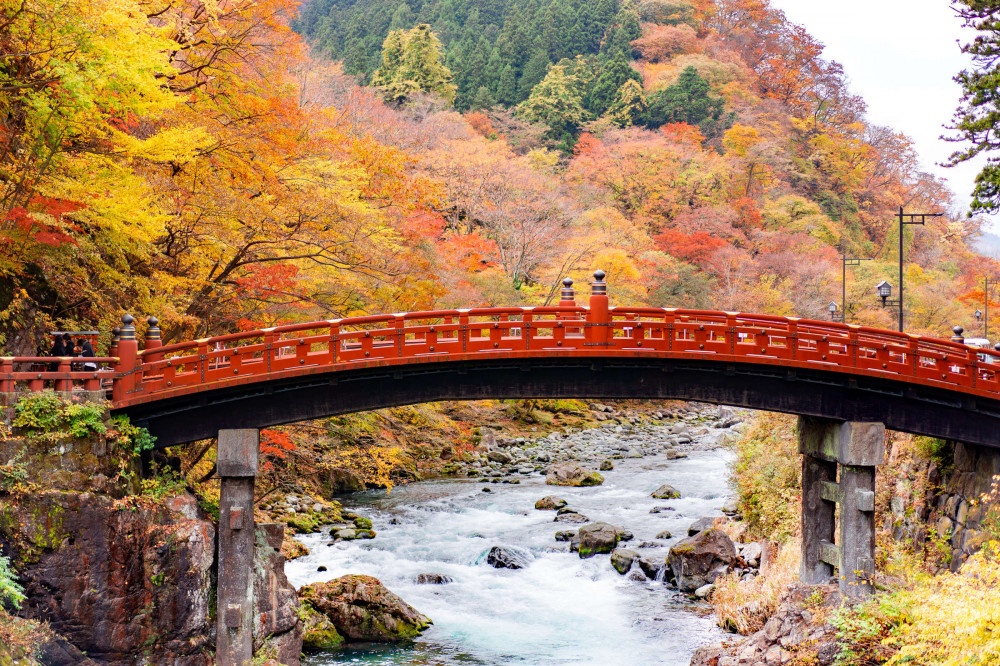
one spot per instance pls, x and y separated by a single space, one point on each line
318 632
362 609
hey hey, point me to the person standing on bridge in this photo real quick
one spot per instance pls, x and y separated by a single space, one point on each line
58 350
87 351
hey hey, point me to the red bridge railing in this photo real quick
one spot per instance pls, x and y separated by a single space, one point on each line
159 372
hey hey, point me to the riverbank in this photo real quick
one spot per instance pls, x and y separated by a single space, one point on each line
560 608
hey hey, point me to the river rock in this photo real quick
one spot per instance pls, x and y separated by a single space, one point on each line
665 534
498 457
606 466
433 579
666 491
507 557
571 517
731 507
622 559
598 538
362 609
751 553
701 525
705 591
565 535
550 503
701 559
651 566
571 474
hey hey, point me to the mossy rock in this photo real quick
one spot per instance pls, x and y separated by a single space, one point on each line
318 632
362 523
362 609
666 491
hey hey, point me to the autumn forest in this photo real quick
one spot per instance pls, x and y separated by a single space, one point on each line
228 165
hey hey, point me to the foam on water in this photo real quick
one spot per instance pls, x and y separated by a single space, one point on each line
560 609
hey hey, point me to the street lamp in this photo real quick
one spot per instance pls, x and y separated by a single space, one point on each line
832 307
883 290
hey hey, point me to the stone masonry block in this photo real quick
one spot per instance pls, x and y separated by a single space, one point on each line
237 453
860 444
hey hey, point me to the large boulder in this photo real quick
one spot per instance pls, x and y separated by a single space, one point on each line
508 557
700 559
362 609
666 491
598 538
571 474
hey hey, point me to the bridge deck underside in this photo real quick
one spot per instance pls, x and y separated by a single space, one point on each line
900 406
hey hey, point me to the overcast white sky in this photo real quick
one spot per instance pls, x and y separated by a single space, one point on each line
900 55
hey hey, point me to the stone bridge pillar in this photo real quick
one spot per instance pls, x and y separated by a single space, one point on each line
856 449
236 464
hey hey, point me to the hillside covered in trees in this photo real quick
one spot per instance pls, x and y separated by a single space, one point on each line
205 166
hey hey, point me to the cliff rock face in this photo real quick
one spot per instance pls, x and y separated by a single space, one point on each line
937 501
120 580
130 581
276 617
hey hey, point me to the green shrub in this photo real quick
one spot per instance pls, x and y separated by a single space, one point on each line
868 633
10 592
134 437
46 415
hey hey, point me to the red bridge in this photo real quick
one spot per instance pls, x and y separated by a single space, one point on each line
191 390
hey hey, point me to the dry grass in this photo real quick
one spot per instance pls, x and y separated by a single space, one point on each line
744 607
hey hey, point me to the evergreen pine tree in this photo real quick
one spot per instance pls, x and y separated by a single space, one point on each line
483 99
507 87
689 101
402 18
534 72
412 62
612 77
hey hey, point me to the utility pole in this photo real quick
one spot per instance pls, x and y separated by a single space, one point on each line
845 262
911 218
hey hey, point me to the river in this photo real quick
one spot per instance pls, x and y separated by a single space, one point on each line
559 610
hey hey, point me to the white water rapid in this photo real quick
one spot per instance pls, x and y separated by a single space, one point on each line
561 609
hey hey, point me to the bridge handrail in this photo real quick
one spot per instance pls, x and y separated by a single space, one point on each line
565 329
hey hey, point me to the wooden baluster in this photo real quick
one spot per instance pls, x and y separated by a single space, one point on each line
203 365
527 321
334 341
731 335
463 331
399 335
431 338
126 380
599 317
6 374
669 317
65 382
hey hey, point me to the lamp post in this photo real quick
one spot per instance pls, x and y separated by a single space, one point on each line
978 314
907 218
884 291
833 310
